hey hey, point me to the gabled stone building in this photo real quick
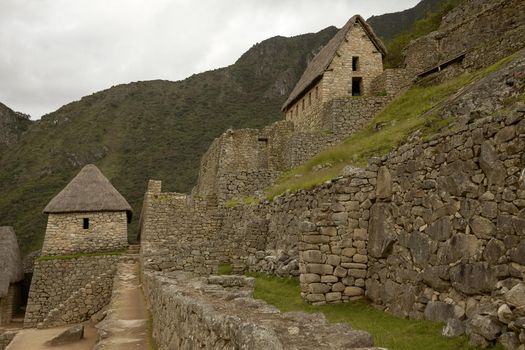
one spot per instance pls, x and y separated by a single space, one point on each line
88 215
70 283
11 273
346 66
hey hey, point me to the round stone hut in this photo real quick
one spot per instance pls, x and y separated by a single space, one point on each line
88 215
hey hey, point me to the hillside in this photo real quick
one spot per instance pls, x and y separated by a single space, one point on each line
143 130
389 25
12 125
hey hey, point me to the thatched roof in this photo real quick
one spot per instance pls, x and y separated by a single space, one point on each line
10 262
89 191
322 60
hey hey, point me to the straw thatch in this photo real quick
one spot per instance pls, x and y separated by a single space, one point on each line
322 60
89 191
11 270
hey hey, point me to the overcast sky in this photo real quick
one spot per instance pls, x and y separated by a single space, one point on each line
53 52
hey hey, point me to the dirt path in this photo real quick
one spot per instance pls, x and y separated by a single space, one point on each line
126 325
34 339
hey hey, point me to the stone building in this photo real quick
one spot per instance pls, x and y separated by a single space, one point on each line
88 215
345 67
11 273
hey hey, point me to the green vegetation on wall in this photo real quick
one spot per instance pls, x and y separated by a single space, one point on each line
414 110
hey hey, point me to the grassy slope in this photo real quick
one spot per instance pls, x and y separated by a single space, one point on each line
387 330
399 120
146 130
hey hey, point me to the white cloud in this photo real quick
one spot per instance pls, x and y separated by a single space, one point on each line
55 51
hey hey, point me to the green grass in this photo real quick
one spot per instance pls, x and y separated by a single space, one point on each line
78 255
415 110
225 269
389 331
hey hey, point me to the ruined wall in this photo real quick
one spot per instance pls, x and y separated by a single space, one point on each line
486 30
65 234
219 313
346 116
6 336
392 81
176 232
57 282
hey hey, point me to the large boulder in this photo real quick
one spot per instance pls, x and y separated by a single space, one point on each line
490 164
381 231
473 278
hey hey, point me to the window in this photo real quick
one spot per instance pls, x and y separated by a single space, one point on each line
317 92
355 63
302 103
356 86
86 223
310 98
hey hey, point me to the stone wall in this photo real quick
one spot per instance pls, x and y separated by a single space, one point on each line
392 81
176 232
60 282
447 242
219 313
65 233
346 116
6 336
9 304
486 30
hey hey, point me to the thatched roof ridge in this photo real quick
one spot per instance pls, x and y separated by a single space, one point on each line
11 270
89 191
322 60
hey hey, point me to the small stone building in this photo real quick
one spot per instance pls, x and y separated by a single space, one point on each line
88 215
11 273
346 66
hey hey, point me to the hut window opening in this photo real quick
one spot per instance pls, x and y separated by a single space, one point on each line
85 223
356 86
310 98
317 92
355 63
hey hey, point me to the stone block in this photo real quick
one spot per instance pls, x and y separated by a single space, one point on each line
315 239
312 256
329 279
340 271
309 278
333 296
360 259
354 291
318 288
320 269
329 231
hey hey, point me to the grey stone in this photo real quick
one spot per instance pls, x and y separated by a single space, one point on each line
453 328
473 278
381 230
70 335
384 183
505 314
482 227
440 311
516 296
484 326
510 341
517 254
491 165
441 229
493 251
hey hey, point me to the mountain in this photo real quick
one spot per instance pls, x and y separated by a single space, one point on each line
12 125
389 25
147 130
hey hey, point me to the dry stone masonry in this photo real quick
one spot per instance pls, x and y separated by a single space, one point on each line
221 308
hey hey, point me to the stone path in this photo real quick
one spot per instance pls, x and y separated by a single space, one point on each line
34 339
126 324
